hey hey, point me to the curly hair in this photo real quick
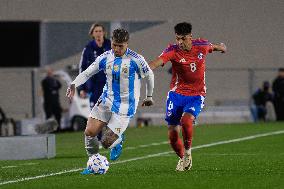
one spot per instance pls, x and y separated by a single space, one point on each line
120 35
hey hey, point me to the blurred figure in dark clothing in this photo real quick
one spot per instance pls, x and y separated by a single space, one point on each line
99 44
278 89
50 87
260 98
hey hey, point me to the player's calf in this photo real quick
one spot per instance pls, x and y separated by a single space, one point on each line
187 129
175 141
109 138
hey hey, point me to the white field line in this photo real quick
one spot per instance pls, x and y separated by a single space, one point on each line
237 154
149 156
23 164
9 166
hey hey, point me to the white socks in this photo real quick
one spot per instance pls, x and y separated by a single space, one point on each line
188 152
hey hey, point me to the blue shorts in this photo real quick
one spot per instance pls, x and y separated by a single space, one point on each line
177 104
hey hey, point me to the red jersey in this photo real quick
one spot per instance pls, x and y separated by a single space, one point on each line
188 67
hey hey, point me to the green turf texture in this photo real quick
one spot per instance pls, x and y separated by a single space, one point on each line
256 163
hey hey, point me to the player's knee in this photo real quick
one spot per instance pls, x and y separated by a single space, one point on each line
187 119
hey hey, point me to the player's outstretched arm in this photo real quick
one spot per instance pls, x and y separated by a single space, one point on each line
148 101
82 78
219 47
156 63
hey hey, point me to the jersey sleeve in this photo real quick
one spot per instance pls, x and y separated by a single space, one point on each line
144 68
209 48
167 54
204 44
94 68
83 66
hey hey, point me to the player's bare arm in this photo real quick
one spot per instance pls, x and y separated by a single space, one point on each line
219 47
156 63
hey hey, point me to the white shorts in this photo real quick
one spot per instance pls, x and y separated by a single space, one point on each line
117 123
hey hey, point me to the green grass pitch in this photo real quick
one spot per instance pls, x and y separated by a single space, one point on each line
147 161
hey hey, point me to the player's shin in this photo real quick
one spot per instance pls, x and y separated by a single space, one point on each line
91 145
116 142
187 131
176 142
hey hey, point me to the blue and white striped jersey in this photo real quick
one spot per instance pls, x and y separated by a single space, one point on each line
122 89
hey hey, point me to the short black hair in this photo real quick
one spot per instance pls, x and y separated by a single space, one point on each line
183 28
120 35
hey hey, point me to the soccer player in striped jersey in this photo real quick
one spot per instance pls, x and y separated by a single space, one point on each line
187 90
124 69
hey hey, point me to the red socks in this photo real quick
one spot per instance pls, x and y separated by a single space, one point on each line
176 143
187 130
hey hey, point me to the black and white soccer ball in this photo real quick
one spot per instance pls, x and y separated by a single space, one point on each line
98 164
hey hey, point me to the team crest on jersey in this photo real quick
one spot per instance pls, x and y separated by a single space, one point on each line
116 68
200 56
109 67
182 60
192 108
124 69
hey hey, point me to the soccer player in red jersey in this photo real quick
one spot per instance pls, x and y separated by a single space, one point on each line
187 89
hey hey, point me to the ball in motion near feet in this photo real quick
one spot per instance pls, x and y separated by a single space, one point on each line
98 164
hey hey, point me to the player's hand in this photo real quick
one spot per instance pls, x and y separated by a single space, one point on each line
148 101
83 94
70 91
223 47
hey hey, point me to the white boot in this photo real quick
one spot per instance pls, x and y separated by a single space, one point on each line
180 165
187 161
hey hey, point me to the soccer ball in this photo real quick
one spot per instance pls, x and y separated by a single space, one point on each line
98 164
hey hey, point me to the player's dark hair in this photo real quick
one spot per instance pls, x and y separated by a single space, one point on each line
120 35
183 28
94 26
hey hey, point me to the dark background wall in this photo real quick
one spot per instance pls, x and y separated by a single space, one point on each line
20 44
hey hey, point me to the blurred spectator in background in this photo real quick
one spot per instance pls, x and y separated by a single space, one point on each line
93 88
262 103
7 125
50 88
278 89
